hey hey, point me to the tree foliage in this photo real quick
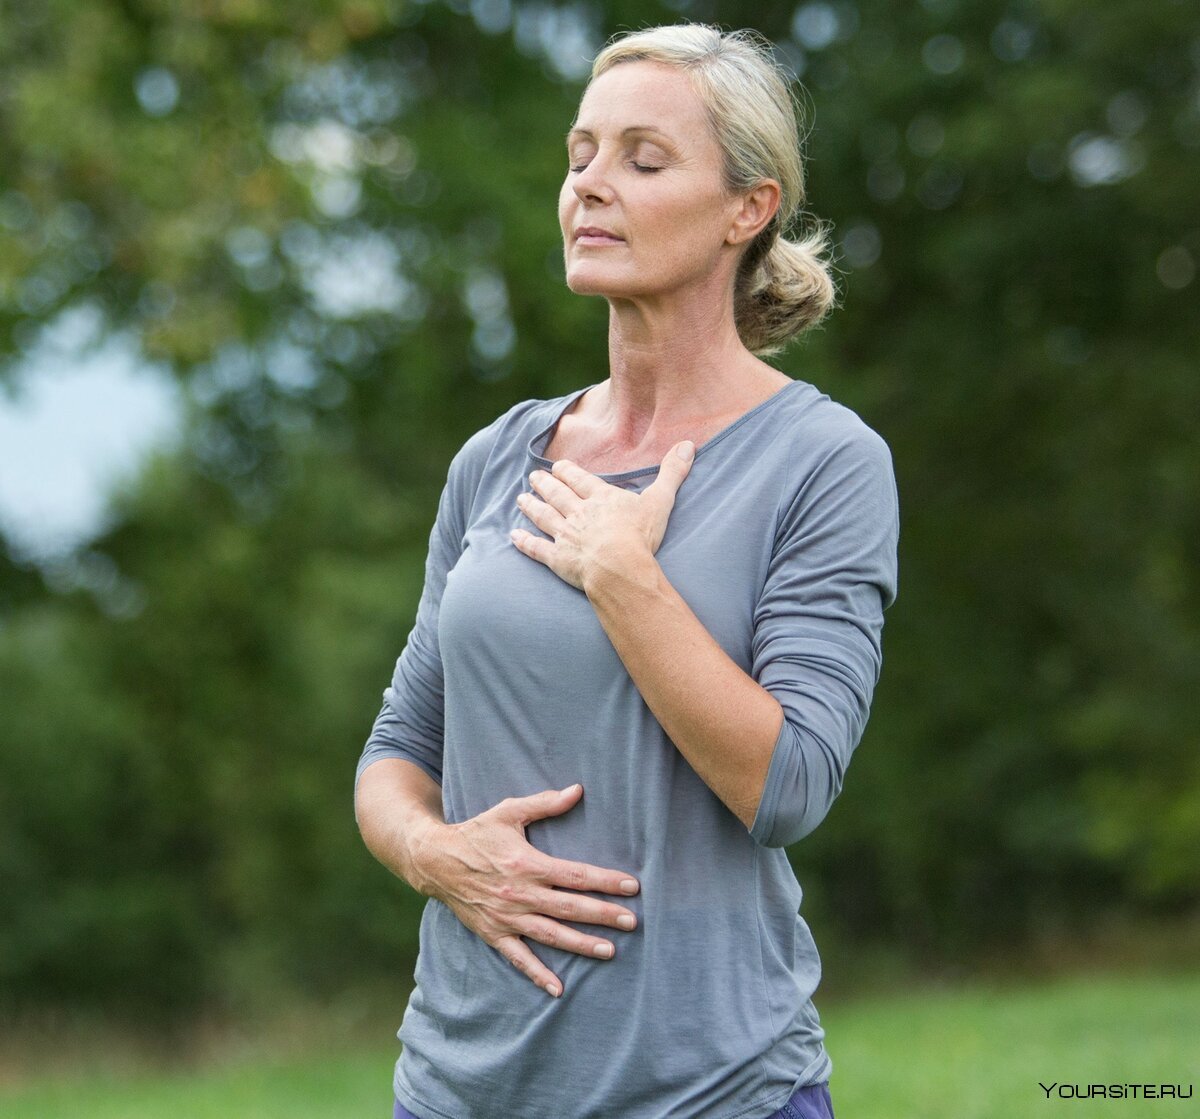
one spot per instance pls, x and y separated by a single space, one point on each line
333 222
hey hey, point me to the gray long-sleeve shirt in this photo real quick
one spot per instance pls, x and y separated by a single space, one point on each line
783 543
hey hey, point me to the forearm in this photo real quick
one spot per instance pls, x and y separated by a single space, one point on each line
718 717
399 808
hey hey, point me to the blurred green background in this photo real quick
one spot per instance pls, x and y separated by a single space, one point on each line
333 222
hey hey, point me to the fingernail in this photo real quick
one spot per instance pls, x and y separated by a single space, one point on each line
626 922
629 886
552 990
604 951
686 450
572 789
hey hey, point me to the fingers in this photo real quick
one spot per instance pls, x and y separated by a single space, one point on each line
554 491
537 806
546 517
566 873
518 953
541 929
554 935
671 473
576 477
535 547
584 910
584 876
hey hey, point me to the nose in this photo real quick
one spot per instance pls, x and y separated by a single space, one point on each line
592 183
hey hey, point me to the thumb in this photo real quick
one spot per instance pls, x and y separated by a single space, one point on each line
675 467
552 802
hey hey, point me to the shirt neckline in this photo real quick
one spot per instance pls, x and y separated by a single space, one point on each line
542 438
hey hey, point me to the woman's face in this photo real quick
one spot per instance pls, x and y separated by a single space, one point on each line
644 210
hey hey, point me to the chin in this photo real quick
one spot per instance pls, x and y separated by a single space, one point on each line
587 279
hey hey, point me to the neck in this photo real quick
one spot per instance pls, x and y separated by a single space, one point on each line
668 366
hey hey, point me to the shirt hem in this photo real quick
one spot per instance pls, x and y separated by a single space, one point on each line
816 1072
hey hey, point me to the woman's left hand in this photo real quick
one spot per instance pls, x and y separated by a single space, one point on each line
594 526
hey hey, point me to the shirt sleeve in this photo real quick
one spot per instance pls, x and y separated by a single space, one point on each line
818 624
411 722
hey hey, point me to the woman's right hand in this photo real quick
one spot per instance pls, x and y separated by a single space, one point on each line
506 891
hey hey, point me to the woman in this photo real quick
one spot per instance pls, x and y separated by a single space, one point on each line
629 685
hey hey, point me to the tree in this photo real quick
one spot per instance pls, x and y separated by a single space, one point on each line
333 222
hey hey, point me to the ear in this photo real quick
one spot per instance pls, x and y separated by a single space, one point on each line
756 210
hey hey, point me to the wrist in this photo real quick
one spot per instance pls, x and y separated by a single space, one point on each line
619 571
423 848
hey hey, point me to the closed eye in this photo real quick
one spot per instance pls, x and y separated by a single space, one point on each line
641 168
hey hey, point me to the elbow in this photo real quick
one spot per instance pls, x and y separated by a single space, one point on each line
789 825
803 781
789 828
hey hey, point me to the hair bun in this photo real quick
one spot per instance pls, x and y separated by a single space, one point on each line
783 293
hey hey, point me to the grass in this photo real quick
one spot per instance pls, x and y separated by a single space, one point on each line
321 1086
980 1053
973 1052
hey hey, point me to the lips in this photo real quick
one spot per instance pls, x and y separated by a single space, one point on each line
594 235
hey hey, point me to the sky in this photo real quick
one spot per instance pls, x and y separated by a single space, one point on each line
80 415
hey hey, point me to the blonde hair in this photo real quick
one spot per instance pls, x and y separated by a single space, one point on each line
782 287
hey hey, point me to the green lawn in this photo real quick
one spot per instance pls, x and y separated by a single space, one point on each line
979 1054
974 1053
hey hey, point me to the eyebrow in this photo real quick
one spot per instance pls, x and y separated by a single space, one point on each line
649 128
